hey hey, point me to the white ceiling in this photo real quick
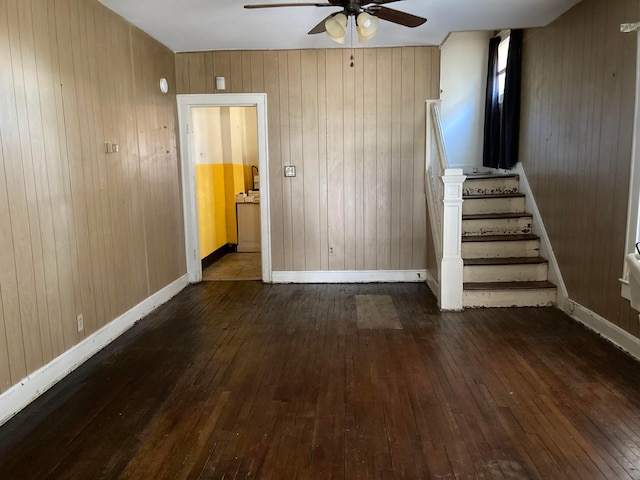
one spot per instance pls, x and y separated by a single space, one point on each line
193 25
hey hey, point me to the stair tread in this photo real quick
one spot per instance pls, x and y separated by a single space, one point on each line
490 176
500 238
505 261
490 216
493 195
544 284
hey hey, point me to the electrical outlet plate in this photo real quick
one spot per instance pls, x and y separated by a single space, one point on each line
332 250
289 171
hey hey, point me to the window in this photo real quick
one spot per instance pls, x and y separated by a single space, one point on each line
633 219
503 54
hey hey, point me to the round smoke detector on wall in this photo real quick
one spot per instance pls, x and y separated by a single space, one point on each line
164 85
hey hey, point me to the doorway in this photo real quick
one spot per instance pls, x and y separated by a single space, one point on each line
240 188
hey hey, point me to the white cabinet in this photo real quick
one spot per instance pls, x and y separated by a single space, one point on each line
248 227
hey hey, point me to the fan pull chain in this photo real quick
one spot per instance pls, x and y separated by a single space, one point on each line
351 40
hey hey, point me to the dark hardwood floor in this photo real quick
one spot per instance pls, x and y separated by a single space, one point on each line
243 380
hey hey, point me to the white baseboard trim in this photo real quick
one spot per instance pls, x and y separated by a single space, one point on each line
350 276
433 285
604 327
546 250
38 382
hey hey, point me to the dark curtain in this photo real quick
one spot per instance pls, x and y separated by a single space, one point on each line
510 129
491 148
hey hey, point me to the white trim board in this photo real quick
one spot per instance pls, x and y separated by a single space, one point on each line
433 285
192 238
38 382
605 328
350 276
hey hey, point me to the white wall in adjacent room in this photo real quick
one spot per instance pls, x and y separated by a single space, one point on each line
462 81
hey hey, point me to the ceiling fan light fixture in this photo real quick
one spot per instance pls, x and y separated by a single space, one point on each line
367 26
336 27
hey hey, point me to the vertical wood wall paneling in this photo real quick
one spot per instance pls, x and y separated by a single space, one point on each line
44 259
80 201
310 159
335 157
384 92
99 115
396 158
23 204
137 283
427 61
50 186
156 116
73 240
322 158
356 136
64 201
349 164
285 153
296 152
197 83
360 162
408 148
182 73
577 116
12 362
272 87
369 125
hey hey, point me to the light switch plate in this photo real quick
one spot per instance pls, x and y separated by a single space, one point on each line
289 171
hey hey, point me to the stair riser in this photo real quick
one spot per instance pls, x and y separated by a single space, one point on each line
490 186
505 273
496 226
541 297
528 248
472 206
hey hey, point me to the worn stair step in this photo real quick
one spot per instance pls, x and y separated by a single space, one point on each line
494 203
509 294
478 184
500 246
496 224
523 269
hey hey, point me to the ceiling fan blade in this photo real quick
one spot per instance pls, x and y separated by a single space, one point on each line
396 16
320 27
377 2
278 5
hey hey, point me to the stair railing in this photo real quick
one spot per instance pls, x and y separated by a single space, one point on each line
443 187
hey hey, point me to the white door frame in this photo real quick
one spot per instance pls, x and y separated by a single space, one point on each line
192 237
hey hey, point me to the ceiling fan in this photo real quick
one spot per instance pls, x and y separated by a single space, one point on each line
366 13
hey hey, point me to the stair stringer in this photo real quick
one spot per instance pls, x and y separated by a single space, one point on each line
546 249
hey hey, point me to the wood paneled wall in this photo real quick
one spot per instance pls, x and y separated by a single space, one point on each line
577 118
81 231
356 136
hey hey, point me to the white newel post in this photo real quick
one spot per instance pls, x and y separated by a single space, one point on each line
451 271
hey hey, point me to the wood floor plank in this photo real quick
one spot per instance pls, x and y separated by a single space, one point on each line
245 380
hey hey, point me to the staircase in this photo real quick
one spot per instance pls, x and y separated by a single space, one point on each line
502 264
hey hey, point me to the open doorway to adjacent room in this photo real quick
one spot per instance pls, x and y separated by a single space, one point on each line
223 143
225 150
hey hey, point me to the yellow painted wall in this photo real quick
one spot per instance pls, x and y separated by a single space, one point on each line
219 144
211 207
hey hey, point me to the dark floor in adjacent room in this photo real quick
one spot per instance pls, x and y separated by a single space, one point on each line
238 380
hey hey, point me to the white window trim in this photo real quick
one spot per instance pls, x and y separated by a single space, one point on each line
633 219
